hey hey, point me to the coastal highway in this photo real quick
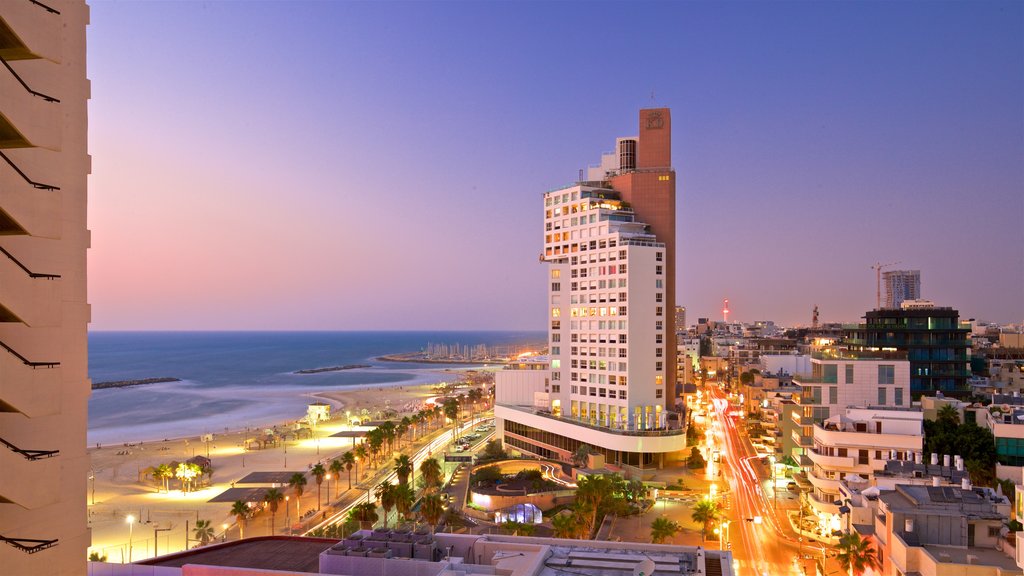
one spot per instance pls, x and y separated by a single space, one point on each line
435 447
762 545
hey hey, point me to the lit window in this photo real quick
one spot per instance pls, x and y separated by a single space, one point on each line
556 273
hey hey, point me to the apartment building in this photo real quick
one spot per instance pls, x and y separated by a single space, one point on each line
842 378
609 246
901 285
856 444
940 530
44 387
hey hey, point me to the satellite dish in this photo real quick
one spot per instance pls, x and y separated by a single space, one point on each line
644 568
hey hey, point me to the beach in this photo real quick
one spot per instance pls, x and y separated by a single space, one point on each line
119 485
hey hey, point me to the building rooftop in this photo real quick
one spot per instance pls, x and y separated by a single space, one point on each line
981 556
943 501
290 553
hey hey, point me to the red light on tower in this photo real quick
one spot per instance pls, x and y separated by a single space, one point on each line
725 310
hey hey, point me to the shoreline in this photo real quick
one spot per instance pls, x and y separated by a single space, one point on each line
408 358
339 397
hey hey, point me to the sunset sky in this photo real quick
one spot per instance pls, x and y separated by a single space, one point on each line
365 165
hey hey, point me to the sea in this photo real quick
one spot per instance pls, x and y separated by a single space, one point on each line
235 380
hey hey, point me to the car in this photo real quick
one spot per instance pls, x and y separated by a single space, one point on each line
460 448
791 486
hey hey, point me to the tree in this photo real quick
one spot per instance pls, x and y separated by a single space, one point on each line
696 459
518 528
163 473
403 468
361 454
663 529
298 482
336 467
634 490
947 416
203 531
240 510
366 514
388 430
856 554
404 499
565 526
385 492
430 469
493 451
431 510
349 460
599 494
581 456
746 378
705 512
451 411
319 473
273 498
186 473
97 557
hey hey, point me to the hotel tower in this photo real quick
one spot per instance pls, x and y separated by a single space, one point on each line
609 379
44 387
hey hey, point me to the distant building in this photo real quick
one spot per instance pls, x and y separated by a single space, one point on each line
44 385
901 285
680 320
934 339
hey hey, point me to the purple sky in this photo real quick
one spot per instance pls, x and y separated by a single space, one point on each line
380 165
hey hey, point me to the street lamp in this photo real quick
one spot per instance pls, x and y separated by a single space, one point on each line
225 537
131 526
328 476
286 498
775 487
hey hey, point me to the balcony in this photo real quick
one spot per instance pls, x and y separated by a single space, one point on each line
31 388
824 484
617 431
25 296
830 462
30 30
29 206
43 490
801 440
28 118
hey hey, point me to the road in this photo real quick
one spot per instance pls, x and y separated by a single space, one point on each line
763 543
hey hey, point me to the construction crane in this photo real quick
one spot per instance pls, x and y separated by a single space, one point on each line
877 267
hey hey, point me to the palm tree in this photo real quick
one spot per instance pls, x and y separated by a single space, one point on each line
161 473
318 472
430 469
388 430
349 460
596 492
431 509
663 529
403 468
240 510
565 526
366 514
273 498
856 554
298 482
385 492
580 456
403 427
705 512
203 531
375 441
97 557
518 528
404 499
451 411
361 454
336 468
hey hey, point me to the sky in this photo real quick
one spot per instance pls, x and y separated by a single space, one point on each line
381 165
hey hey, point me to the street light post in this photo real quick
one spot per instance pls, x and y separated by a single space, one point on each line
328 476
286 498
131 526
775 487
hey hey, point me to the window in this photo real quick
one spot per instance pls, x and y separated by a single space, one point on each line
658 338
658 393
833 395
556 364
622 268
556 337
556 286
556 388
556 273
657 269
881 396
849 373
886 374
659 325
556 350
898 396
658 256
658 352
659 297
556 324
659 311
574 389
659 366
622 394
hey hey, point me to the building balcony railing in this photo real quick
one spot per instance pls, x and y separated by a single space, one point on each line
605 429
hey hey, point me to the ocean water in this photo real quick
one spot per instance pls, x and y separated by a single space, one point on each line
238 379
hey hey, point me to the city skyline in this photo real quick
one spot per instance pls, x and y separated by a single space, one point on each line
381 171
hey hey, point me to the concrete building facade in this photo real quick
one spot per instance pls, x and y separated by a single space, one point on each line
44 386
609 244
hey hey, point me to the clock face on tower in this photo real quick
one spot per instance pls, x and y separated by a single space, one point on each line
654 120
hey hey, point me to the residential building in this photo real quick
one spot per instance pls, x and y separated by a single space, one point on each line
680 321
855 444
934 340
609 244
901 285
940 530
44 388
843 378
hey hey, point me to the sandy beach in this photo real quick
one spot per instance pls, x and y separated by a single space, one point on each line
119 485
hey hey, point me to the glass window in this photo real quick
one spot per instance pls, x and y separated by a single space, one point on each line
886 374
898 399
881 396
833 395
849 373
